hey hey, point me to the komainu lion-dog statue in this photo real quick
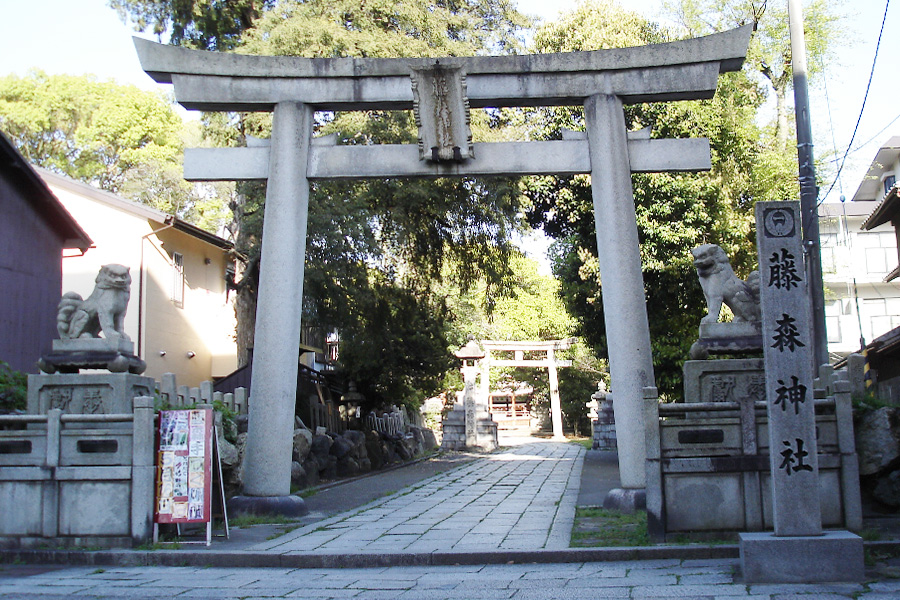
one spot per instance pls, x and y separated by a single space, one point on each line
720 285
102 311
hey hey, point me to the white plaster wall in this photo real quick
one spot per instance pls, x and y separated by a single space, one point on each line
117 239
204 325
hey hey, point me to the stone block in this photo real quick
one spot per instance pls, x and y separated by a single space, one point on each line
700 502
94 345
87 393
831 557
724 380
95 508
69 355
727 338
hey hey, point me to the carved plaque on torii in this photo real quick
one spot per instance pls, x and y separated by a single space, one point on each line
442 113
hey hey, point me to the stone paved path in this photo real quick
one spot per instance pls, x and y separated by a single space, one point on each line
520 499
523 499
638 580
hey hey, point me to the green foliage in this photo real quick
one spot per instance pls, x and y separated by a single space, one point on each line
769 55
202 24
386 28
13 388
522 305
116 137
92 131
674 212
393 340
869 401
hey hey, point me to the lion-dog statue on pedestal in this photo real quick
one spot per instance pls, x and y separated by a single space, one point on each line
721 285
103 310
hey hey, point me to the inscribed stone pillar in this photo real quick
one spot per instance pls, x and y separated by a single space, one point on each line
624 306
798 551
788 354
555 403
485 383
267 467
470 404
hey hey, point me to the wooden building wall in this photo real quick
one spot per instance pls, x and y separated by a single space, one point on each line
30 278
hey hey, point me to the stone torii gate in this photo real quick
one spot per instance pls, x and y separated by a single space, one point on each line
549 362
441 90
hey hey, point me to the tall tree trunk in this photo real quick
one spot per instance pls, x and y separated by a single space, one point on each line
782 125
245 312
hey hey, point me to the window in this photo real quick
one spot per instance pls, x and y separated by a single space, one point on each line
889 181
833 327
829 261
883 324
876 261
178 279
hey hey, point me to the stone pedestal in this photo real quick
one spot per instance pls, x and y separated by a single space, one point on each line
727 338
285 506
726 380
832 556
87 393
114 355
454 431
603 424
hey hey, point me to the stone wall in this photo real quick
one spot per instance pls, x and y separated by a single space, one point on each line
325 456
77 479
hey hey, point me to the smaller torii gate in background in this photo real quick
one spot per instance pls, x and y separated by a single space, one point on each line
549 362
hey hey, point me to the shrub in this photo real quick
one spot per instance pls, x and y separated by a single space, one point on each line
13 388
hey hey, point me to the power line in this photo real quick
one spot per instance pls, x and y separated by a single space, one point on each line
862 145
833 140
863 108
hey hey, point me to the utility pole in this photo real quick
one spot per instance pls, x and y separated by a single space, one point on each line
809 191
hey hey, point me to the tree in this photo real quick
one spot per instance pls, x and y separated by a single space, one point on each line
200 24
117 137
376 240
770 49
674 212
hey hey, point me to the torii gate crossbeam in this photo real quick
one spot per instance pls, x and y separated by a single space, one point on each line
602 81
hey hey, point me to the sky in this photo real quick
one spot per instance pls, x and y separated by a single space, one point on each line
85 36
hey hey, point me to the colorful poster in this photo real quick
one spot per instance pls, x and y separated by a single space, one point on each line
184 466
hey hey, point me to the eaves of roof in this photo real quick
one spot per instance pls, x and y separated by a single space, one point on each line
139 210
36 192
885 212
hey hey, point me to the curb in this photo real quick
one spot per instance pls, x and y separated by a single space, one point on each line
299 560
232 559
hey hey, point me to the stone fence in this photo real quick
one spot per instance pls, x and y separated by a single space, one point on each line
390 423
178 396
708 472
77 479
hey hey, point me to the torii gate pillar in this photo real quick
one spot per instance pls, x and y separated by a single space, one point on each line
624 305
280 298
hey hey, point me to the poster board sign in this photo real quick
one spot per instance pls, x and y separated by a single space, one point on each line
184 466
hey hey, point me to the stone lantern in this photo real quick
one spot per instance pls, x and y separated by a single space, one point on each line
469 425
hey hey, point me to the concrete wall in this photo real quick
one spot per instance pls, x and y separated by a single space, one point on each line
204 322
